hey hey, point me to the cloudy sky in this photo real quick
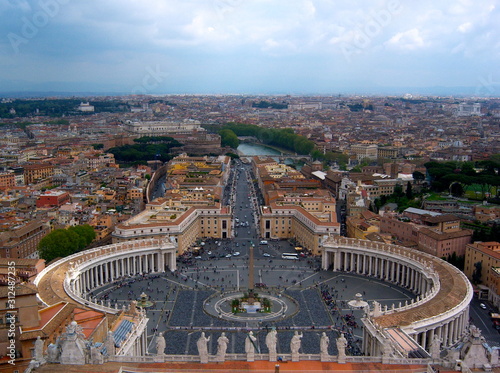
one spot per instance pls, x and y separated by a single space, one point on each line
250 46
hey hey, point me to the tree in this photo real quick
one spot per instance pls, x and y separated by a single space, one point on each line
418 176
409 192
398 190
229 138
63 242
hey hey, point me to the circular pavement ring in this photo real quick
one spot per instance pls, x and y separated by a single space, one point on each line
220 306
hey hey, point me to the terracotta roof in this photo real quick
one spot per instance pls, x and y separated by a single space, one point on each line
52 325
21 289
439 218
439 236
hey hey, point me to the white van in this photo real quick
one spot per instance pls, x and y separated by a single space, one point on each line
263 242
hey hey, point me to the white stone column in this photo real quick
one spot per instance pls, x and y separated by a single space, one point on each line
370 260
450 333
86 280
454 331
101 275
431 336
161 261
106 272
424 340
112 266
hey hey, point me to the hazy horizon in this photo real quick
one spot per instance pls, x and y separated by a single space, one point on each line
255 47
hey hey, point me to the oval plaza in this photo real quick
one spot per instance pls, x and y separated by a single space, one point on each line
440 309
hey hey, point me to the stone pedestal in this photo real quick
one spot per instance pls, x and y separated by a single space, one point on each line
159 359
324 357
295 357
273 356
250 356
341 359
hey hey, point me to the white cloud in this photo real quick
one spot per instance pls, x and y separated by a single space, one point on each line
407 40
465 27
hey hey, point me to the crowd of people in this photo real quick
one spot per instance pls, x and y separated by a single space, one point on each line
344 323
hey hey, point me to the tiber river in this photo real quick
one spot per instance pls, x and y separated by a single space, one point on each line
256 149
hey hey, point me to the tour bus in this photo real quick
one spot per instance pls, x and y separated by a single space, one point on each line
292 256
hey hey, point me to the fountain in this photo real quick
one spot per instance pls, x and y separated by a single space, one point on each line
144 302
357 302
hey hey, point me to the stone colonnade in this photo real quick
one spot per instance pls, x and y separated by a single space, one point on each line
101 272
407 268
383 267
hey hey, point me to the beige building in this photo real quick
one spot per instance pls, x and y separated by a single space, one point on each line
362 151
162 128
363 226
168 217
294 221
37 172
488 254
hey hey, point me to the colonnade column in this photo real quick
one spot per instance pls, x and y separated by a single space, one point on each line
101 275
445 334
112 265
336 259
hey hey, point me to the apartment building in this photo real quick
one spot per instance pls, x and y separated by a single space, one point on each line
485 255
37 172
293 221
7 180
433 233
166 217
362 151
21 241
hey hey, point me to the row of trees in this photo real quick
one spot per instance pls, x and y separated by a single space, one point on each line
269 105
63 242
146 149
56 107
283 138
